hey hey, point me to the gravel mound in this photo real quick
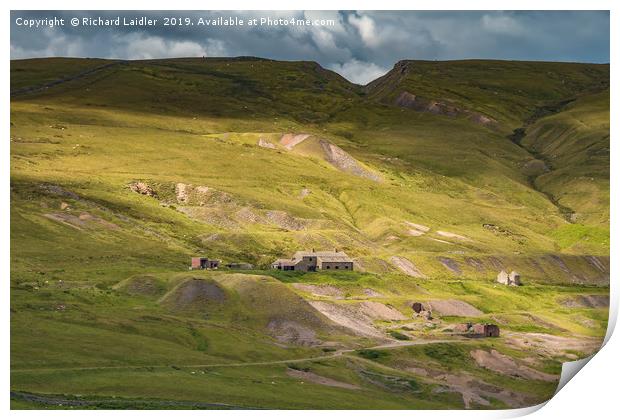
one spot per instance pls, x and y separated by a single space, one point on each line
453 307
194 293
407 267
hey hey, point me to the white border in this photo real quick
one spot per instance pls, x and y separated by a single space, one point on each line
592 396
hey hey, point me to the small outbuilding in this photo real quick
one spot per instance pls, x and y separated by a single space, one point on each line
502 277
239 266
285 264
419 310
462 328
485 330
512 279
472 330
417 307
204 263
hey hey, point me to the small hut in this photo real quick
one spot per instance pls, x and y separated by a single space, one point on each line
485 330
514 279
502 277
203 263
491 330
462 328
239 266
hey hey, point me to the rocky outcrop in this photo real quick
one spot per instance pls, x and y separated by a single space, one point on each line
451 265
142 188
587 301
414 102
266 144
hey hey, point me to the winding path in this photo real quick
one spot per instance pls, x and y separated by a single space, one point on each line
333 355
68 401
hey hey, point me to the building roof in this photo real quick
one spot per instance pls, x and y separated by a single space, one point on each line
300 254
334 258
284 261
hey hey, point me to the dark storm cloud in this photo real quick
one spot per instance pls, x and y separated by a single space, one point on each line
360 45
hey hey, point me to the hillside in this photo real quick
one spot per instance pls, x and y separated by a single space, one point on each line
123 170
508 92
574 143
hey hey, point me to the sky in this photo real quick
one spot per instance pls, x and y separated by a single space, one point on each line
360 45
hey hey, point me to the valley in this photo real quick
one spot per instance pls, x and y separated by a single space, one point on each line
121 171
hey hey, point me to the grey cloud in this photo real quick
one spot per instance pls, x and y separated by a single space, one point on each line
361 46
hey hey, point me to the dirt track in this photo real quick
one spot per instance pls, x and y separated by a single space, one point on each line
472 390
333 355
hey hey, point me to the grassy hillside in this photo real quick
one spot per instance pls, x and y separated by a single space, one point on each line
575 144
120 175
36 72
508 91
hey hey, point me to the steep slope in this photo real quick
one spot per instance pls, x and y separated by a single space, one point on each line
575 144
506 91
559 114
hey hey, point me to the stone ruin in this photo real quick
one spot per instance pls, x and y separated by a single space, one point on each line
477 330
419 310
485 330
463 328
512 279
142 188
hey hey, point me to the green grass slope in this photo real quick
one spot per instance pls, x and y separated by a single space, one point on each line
37 72
575 143
508 91
120 175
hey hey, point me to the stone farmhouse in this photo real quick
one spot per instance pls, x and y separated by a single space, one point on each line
314 260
